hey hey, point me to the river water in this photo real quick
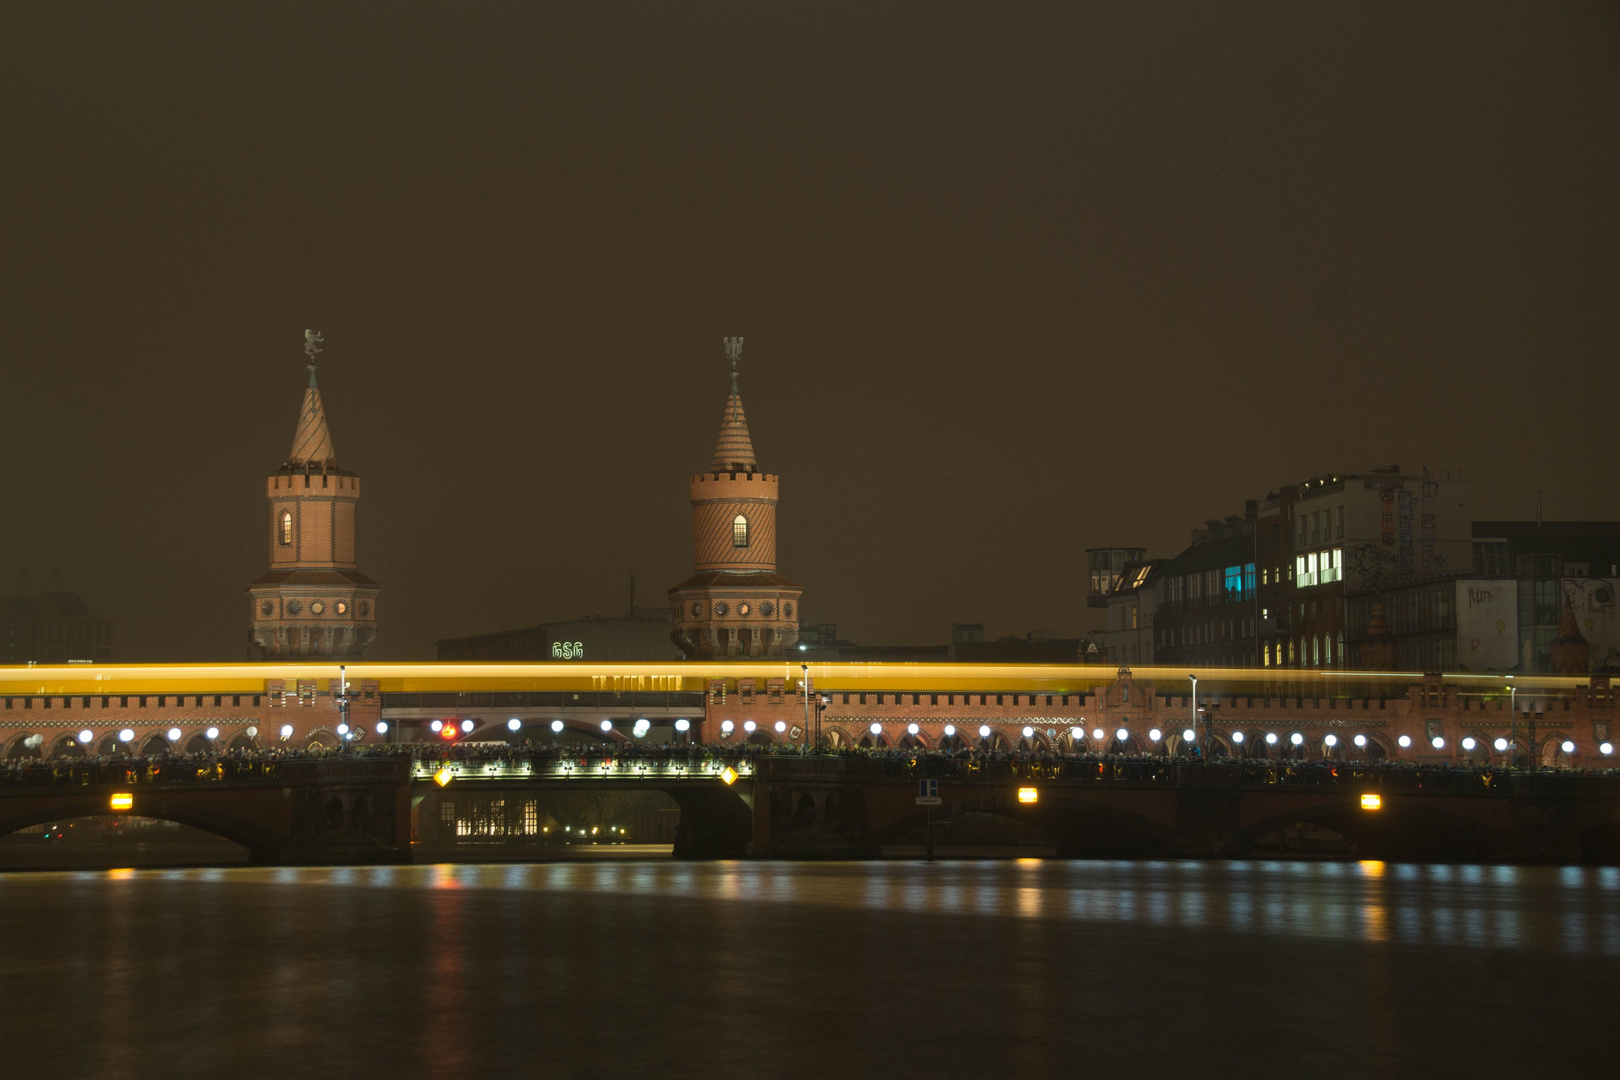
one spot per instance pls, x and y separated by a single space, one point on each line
756 969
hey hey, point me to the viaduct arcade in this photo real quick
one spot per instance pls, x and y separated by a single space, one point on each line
86 710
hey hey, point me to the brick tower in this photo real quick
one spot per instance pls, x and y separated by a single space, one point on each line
314 602
735 603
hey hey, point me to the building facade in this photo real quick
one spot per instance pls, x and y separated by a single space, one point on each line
1207 614
313 601
1106 568
642 633
52 627
735 603
1132 609
1551 562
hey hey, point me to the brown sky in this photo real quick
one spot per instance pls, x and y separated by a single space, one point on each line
1015 280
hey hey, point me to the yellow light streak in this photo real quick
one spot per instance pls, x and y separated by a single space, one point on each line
632 676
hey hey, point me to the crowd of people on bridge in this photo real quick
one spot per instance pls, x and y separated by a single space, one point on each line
547 756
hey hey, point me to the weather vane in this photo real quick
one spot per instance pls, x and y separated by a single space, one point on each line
733 352
312 348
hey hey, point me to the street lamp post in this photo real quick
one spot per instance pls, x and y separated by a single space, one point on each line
805 686
1513 741
1194 679
342 703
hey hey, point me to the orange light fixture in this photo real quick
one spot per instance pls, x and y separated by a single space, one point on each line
1028 795
122 800
1372 802
729 775
443 776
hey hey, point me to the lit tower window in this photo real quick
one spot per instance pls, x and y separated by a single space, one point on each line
739 532
286 526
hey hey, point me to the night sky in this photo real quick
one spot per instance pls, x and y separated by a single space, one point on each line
1014 279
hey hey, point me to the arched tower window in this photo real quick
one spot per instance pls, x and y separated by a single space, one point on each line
739 532
286 526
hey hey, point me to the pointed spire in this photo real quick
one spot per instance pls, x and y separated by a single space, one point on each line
1571 655
734 451
312 442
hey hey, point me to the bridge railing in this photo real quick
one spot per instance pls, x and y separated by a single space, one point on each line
132 772
1193 773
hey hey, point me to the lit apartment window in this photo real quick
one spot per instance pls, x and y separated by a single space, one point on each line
739 532
286 526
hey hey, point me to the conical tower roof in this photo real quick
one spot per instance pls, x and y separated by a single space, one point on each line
1571 654
312 442
734 451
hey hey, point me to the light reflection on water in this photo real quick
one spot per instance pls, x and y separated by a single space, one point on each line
743 969
1567 909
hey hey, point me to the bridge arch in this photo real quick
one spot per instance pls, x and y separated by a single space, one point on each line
66 746
261 842
1481 751
836 736
1401 826
1552 754
17 747
1253 745
1077 823
321 737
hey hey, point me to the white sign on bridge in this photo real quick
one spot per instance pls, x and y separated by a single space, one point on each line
928 793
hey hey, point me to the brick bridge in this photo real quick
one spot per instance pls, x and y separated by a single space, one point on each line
1160 809
358 809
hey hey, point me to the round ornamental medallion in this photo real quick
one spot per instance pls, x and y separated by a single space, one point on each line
742 609
267 609
720 608
787 610
697 609
316 608
342 607
294 607
365 607
765 608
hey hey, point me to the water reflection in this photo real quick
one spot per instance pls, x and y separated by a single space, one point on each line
1569 909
